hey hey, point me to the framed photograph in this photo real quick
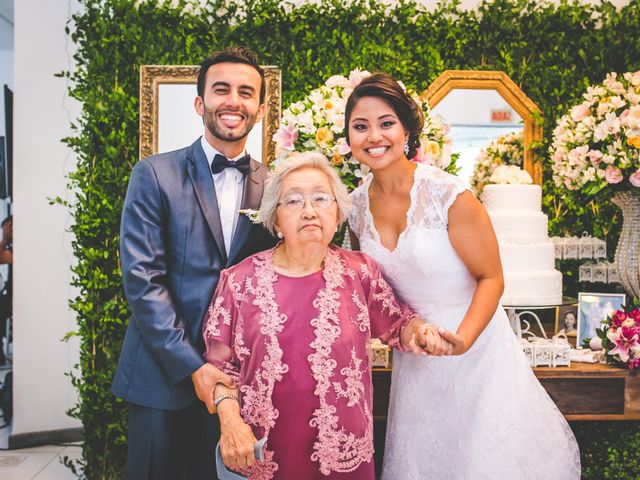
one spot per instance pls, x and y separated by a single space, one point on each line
567 322
593 309
168 120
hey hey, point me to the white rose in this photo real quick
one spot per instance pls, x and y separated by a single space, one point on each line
337 81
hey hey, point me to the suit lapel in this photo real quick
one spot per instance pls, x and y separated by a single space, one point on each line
251 198
200 174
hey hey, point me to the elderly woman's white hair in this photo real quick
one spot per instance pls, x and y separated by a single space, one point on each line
293 162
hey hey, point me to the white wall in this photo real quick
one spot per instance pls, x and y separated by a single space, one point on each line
42 252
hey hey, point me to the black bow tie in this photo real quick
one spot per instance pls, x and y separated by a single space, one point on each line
220 162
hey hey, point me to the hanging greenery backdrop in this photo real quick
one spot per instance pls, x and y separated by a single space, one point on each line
553 52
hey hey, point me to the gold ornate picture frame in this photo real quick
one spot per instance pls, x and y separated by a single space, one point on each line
155 119
512 94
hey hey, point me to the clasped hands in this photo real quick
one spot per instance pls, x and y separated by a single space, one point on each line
429 339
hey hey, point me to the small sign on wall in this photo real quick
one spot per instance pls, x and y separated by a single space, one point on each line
501 116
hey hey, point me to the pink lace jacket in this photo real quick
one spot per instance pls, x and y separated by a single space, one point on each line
242 329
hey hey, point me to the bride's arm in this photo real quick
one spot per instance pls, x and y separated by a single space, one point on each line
472 237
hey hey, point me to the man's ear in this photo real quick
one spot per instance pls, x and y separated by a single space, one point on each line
262 109
198 104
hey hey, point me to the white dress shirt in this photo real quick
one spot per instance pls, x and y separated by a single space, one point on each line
229 186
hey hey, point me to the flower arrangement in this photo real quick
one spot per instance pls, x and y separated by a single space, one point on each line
316 123
510 174
508 149
596 145
620 335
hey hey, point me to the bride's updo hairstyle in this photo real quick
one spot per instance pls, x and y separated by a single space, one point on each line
385 87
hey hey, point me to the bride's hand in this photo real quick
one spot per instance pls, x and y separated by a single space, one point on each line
426 340
458 343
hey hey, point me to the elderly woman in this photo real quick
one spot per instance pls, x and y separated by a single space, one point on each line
292 326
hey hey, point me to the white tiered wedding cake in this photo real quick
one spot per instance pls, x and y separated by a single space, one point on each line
527 254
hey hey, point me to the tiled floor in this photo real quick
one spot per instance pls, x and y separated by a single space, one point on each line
38 463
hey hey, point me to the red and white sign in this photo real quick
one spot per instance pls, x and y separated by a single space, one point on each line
501 116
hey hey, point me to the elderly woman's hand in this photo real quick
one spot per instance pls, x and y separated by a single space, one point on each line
425 339
236 438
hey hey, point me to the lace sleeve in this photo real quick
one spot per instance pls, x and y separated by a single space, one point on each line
356 216
454 187
432 196
444 189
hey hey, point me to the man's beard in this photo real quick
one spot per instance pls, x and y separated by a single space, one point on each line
212 124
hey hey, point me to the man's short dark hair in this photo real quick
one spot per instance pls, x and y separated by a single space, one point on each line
6 220
231 55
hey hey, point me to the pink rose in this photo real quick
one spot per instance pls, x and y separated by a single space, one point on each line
613 175
595 156
635 178
579 112
286 136
618 317
420 156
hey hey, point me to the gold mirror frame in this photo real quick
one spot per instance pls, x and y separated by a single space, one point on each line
516 98
152 76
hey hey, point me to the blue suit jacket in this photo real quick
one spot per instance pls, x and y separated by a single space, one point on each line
172 251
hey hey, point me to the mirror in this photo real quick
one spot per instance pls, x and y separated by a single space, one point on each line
481 106
168 120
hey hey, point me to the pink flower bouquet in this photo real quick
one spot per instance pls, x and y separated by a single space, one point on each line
620 335
596 146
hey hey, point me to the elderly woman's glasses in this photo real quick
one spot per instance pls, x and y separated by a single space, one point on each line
296 202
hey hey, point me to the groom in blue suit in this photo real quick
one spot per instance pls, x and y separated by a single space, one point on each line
180 228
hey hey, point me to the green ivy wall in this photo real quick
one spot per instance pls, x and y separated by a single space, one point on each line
553 52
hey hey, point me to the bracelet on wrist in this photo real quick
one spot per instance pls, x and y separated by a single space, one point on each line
224 396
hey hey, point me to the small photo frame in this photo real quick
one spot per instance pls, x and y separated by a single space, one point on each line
567 322
593 309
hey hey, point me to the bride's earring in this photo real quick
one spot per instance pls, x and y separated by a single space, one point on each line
279 235
406 148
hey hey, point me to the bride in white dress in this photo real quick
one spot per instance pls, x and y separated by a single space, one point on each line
480 414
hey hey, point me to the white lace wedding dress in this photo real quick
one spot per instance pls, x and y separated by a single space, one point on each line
482 415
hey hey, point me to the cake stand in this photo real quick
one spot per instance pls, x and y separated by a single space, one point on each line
522 317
